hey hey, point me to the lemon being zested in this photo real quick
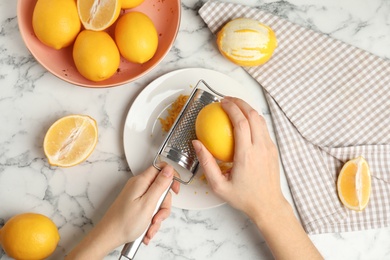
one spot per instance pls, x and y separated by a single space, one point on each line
70 140
56 23
136 37
29 236
354 184
246 42
98 15
96 55
215 130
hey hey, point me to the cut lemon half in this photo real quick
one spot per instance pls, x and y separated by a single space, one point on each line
70 140
98 15
354 184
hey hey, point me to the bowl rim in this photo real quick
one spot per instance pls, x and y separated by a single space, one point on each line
23 31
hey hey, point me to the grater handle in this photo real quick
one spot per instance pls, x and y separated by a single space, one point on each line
130 249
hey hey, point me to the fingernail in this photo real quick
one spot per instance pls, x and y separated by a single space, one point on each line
166 172
197 145
226 99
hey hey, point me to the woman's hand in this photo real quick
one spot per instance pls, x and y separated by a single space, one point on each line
132 210
253 184
130 214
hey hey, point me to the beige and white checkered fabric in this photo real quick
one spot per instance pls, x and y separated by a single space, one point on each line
330 102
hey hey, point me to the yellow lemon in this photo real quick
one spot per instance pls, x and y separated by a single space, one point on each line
246 42
126 4
136 37
70 140
56 23
98 15
96 55
29 236
354 184
215 130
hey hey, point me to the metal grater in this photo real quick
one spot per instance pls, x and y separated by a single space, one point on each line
177 149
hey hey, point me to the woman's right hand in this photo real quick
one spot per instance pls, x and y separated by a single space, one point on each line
253 184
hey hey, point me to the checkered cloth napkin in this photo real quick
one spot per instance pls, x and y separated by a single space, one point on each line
330 102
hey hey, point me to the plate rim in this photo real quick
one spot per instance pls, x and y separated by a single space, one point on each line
147 88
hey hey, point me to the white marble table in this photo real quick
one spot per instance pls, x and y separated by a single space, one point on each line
75 198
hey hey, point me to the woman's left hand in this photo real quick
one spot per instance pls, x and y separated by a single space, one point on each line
130 214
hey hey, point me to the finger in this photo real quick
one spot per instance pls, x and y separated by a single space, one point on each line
257 123
176 185
159 185
151 233
151 172
209 165
261 132
164 211
162 214
241 128
142 181
146 240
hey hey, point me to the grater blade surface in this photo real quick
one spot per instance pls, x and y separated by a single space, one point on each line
177 148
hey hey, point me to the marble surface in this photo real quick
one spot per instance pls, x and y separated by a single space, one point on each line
31 99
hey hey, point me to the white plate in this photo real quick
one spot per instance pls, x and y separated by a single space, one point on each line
143 134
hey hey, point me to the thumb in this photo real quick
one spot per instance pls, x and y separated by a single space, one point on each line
160 184
207 161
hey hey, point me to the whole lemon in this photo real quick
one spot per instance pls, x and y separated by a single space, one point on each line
136 37
56 23
215 130
29 236
126 4
96 55
246 42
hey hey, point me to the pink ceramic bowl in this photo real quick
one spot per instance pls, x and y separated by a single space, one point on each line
166 18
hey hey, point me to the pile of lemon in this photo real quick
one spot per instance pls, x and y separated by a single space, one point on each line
96 54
